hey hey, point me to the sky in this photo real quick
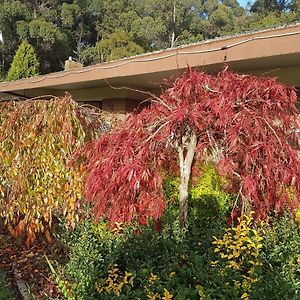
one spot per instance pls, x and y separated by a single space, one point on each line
244 2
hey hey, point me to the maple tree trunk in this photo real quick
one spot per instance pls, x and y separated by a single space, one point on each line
186 155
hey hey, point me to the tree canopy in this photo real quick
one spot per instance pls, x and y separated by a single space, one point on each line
37 138
246 125
58 29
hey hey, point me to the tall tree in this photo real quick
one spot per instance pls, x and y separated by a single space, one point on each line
10 13
58 29
46 38
176 16
25 63
266 6
214 18
117 45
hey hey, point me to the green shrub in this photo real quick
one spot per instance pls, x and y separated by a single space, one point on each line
173 262
94 254
245 261
208 194
280 270
93 249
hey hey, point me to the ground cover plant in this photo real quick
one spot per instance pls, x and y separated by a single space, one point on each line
6 292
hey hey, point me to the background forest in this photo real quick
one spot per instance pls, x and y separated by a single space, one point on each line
95 31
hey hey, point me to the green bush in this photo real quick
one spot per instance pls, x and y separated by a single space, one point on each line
208 260
280 270
180 261
173 261
93 249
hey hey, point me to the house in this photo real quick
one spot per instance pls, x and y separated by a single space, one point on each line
115 86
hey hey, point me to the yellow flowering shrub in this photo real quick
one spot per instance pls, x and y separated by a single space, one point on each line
153 278
238 252
118 283
115 282
151 291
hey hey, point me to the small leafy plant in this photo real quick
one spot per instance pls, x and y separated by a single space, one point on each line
116 282
239 255
280 269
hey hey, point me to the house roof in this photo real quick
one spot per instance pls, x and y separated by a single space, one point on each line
274 52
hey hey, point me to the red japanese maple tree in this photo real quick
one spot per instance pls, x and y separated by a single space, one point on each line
247 125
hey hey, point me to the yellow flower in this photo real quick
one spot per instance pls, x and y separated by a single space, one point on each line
237 283
118 227
115 281
214 263
200 290
245 296
153 296
172 274
167 295
153 278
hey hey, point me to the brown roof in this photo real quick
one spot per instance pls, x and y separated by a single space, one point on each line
268 51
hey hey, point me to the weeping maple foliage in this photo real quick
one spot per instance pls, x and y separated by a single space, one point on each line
247 125
37 138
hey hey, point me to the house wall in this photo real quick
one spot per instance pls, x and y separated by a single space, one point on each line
114 105
109 99
122 105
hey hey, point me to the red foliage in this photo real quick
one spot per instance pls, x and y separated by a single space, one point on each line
247 125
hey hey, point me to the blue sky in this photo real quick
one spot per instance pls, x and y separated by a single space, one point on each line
244 2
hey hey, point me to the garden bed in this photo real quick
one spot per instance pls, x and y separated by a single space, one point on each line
26 267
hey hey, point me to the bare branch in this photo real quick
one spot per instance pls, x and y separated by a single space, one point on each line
152 95
157 131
